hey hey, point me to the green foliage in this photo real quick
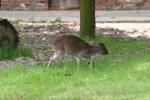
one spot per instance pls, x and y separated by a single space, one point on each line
10 53
122 75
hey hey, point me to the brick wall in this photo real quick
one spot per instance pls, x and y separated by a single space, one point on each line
6 4
147 4
100 4
24 4
122 4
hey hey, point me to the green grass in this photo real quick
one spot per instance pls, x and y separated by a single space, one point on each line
10 53
122 75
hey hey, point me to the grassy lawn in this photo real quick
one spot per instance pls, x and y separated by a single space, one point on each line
11 53
122 75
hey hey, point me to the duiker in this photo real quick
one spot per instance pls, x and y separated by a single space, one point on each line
75 47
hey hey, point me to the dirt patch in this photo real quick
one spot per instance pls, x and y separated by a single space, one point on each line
21 60
38 36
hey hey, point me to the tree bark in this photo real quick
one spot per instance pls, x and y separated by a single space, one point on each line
87 18
49 4
0 4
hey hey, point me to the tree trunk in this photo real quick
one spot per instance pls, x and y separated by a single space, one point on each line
49 4
87 18
0 4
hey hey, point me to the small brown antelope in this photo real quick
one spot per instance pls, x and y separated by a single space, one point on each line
75 47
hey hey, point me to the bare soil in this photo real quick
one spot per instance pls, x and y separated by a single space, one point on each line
39 35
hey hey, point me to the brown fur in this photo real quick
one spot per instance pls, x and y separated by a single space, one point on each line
76 47
69 44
